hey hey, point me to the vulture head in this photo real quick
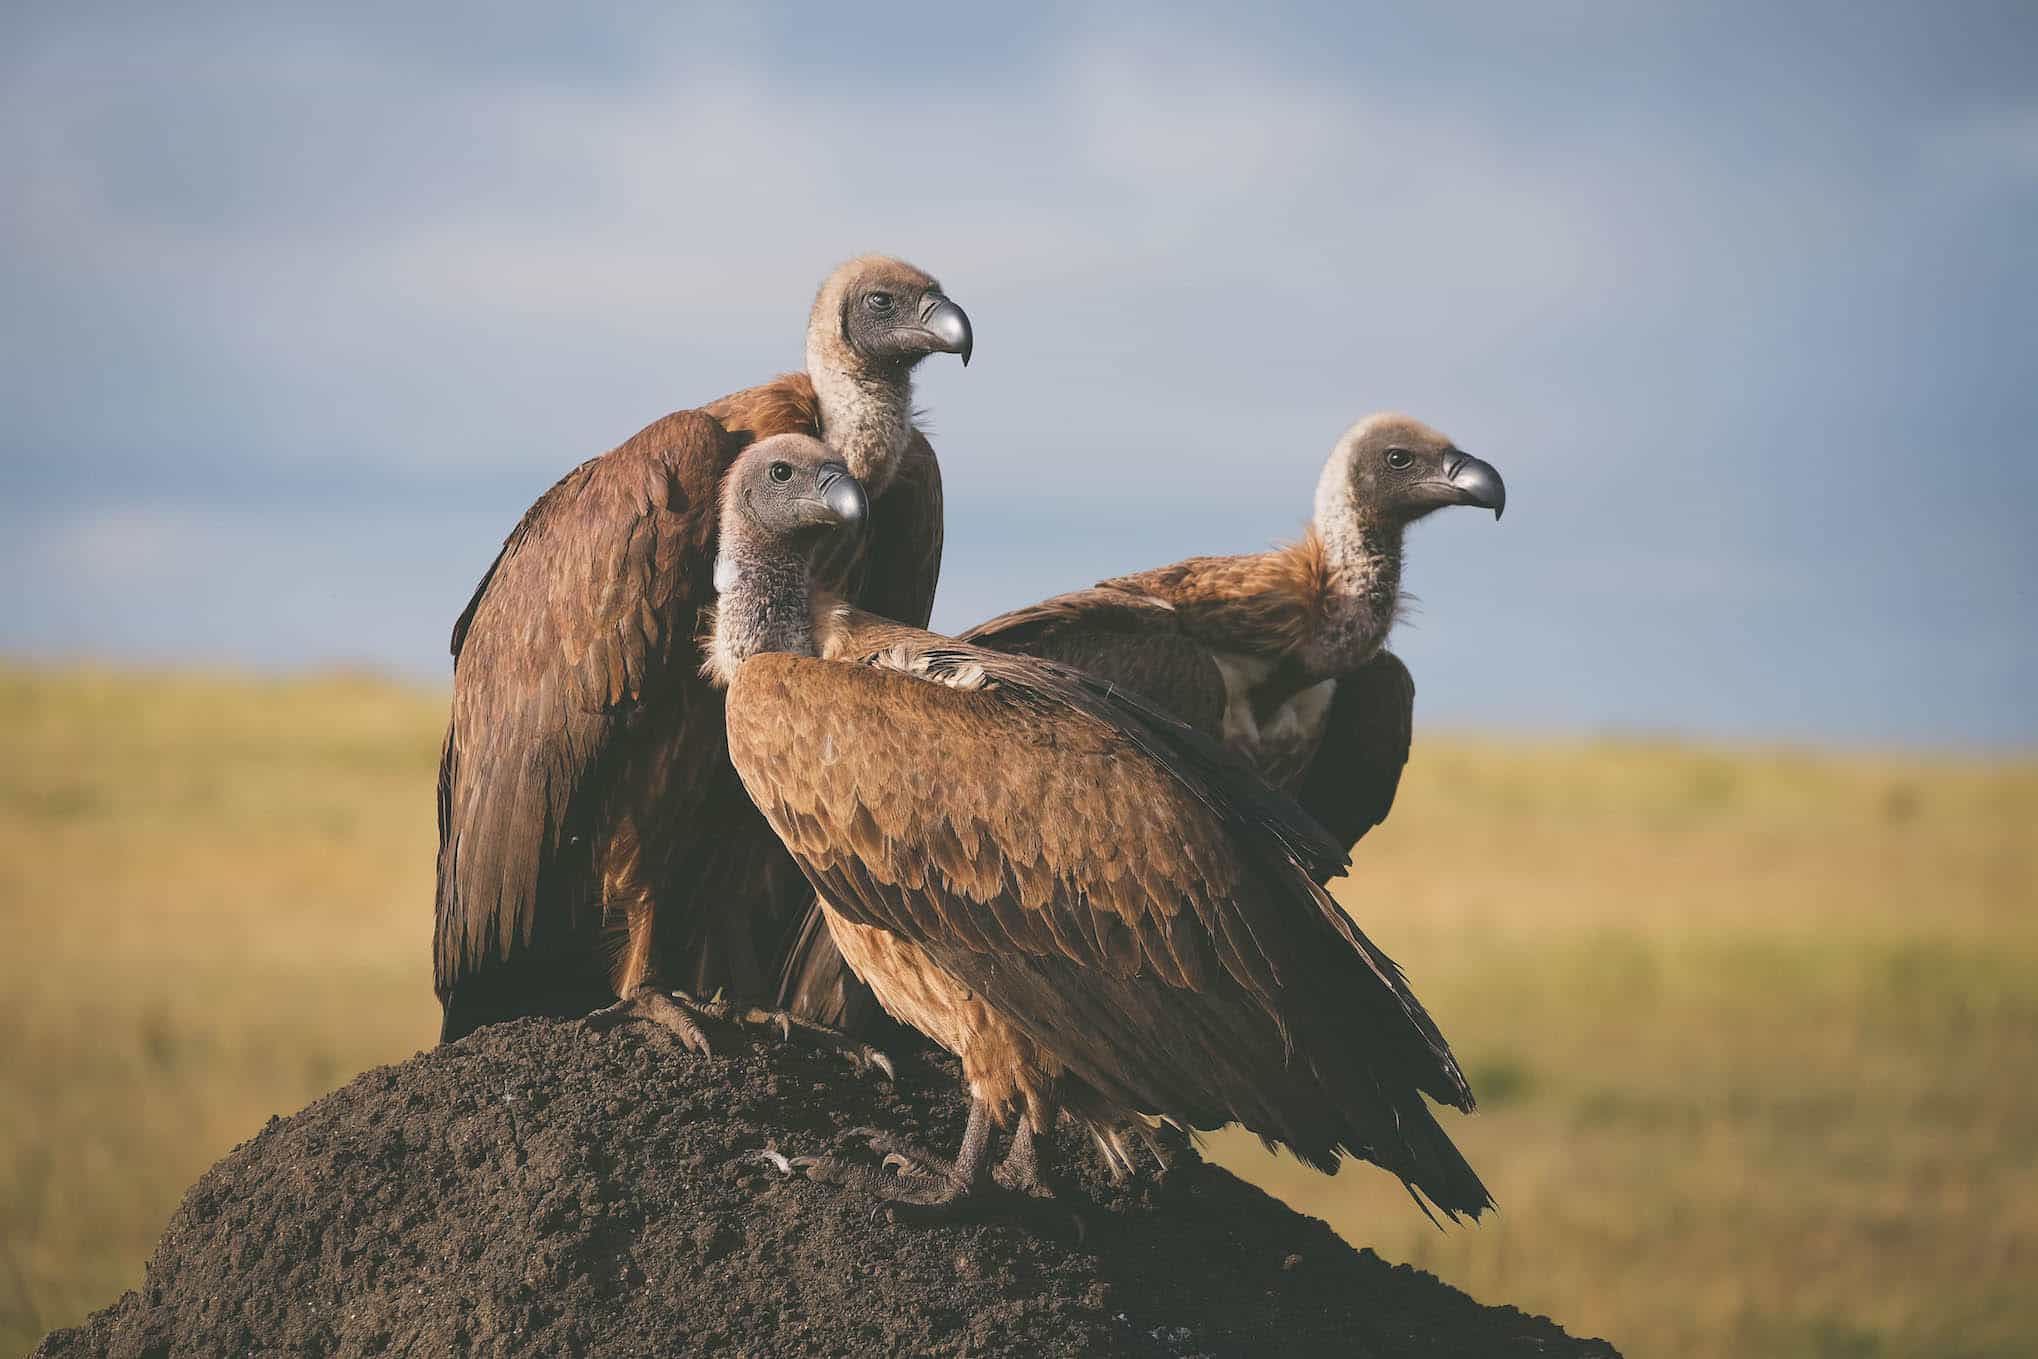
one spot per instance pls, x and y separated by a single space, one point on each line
1389 468
781 501
881 316
782 498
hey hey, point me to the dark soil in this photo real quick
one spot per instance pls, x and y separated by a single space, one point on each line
542 1188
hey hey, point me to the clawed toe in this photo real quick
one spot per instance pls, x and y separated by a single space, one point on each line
899 1180
906 1159
846 1174
677 1013
791 1028
690 1020
918 1186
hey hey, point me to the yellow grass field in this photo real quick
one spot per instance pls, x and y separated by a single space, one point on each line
1756 1031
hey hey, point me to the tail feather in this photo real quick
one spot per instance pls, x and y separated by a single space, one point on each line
1435 1169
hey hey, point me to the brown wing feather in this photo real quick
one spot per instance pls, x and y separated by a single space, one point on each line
1265 603
1134 640
1350 783
1119 886
785 405
588 612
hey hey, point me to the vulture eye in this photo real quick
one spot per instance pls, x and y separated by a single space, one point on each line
878 301
1399 458
781 472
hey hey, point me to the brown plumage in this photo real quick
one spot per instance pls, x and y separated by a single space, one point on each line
593 840
1278 654
1096 908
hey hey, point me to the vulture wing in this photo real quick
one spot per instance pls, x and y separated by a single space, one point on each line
587 614
1138 641
1121 887
1349 786
1133 640
1128 639
1258 605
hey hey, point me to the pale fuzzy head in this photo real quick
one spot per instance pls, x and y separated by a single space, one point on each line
1389 470
781 499
876 317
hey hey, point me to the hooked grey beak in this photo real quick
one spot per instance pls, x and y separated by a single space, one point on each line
843 495
1474 481
948 326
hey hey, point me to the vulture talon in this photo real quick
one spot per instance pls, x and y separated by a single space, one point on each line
677 1013
689 1017
909 1161
917 1186
791 1028
836 1171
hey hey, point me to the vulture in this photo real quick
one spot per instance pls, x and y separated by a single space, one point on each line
1278 654
1099 910
594 843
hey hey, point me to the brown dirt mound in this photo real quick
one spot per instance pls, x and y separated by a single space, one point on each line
544 1188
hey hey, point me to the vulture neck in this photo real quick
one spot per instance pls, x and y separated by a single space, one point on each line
866 413
766 605
1359 567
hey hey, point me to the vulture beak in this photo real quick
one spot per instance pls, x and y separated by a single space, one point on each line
843 495
946 327
1473 481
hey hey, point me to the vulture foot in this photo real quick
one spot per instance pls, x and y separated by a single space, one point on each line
923 1193
909 1176
1029 1174
1024 1170
908 1160
694 1020
916 1185
791 1028
681 1014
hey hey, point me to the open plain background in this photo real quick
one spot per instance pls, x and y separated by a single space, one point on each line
1753 1028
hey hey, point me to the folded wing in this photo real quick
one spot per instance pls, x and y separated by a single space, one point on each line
1118 885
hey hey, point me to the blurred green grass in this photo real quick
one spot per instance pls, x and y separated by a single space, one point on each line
1754 1030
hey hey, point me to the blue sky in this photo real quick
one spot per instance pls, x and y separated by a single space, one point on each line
298 310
